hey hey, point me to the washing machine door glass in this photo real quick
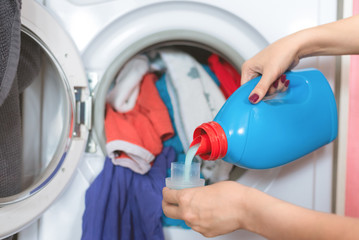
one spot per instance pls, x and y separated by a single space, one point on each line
42 135
41 110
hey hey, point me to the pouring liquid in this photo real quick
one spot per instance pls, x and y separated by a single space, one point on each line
188 161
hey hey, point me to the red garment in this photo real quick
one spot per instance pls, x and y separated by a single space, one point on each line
134 138
227 75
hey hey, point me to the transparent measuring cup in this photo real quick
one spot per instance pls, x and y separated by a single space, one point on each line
184 176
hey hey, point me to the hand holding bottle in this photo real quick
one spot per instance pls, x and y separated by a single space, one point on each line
336 38
271 63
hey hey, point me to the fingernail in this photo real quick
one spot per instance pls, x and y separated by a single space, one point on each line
286 83
253 98
282 78
275 84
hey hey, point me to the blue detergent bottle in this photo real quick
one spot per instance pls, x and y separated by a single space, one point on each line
275 131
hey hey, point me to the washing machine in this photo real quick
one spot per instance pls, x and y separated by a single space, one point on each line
84 44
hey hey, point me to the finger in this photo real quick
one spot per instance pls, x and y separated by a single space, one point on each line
196 228
286 85
277 85
170 196
248 76
265 86
208 233
260 90
274 88
281 83
247 73
170 210
190 225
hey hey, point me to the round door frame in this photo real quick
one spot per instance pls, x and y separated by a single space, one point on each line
16 215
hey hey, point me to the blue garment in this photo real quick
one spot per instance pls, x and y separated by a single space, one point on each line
211 74
121 204
174 142
168 222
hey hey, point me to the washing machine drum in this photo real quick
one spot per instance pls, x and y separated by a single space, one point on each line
37 121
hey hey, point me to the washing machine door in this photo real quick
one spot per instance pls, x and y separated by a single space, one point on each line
54 130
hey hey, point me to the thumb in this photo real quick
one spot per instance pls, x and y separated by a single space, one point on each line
261 88
248 73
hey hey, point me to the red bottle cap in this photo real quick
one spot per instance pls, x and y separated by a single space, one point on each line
212 141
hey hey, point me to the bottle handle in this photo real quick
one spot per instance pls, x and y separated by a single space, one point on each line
298 91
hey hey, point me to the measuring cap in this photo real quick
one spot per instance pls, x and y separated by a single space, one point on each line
184 176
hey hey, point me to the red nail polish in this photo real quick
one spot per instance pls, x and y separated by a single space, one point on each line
253 98
282 78
286 83
275 84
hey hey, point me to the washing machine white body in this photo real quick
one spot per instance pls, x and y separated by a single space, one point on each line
107 33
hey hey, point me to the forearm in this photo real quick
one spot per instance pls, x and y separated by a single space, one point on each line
336 38
276 219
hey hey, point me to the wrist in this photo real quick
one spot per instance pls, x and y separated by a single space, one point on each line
314 42
257 210
303 40
248 208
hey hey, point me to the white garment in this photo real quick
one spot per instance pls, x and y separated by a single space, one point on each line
139 159
199 98
127 87
177 118
196 99
216 171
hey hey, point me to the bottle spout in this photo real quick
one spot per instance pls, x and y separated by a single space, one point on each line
211 139
204 144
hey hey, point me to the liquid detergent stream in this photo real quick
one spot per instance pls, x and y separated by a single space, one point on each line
188 161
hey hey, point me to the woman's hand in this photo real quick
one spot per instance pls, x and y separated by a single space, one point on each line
211 210
336 38
271 63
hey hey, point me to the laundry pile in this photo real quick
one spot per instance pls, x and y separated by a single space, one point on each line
156 102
